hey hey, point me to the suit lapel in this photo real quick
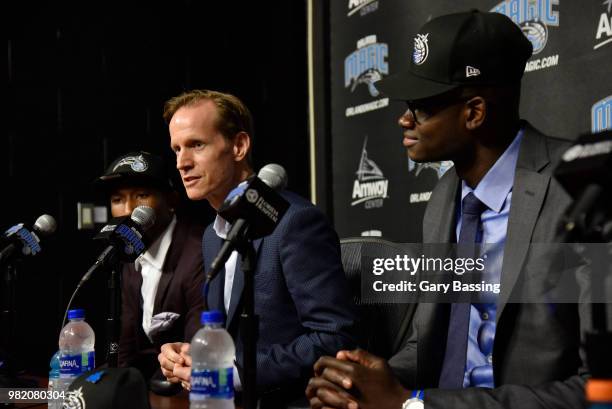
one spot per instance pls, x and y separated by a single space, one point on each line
432 318
238 285
170 264
528 194
439 220
215 291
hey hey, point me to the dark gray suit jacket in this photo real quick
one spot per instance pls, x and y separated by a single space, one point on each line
537 357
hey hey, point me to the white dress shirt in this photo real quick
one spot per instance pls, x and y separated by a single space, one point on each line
150 265
222 227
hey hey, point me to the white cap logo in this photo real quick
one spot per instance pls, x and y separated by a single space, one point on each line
74 399
471 71
137 163
421 49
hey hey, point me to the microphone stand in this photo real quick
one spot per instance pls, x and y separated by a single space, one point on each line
113 322
249 324
8 372
8 322
593 226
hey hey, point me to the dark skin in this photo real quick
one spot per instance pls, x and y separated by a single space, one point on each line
125 197
355 379
473 132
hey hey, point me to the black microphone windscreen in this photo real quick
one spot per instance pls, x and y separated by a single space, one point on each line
588 160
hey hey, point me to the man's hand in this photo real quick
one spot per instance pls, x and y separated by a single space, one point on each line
175 363
356 379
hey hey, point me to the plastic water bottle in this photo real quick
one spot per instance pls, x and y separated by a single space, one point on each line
76 344
54 374
212 364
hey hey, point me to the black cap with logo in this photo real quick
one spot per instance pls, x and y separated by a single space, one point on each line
108 388
136 167
461 49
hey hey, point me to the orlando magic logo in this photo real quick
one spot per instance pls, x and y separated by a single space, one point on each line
536 33
371 186
137 163
366 65
533 17
74 399
421 49
439 167
368 78
601 115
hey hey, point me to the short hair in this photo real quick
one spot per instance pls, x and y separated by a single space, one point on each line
234 116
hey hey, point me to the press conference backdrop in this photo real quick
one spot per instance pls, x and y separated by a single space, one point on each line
377 190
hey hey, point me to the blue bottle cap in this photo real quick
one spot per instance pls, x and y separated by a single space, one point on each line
211 317
78 313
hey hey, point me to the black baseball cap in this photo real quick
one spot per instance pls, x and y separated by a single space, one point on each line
463 49
136 167
108 388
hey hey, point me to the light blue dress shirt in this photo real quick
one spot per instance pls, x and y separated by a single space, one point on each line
495 191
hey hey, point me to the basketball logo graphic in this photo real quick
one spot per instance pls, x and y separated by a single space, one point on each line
421 49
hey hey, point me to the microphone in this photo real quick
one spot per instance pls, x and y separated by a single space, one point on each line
125 237
254 208
27 240
585 173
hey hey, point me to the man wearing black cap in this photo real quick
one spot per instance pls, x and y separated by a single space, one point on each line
462 89
162 290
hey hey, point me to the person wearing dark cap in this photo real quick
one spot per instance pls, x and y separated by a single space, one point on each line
462 90
162 290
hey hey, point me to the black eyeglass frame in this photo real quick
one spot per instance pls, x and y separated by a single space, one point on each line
431 106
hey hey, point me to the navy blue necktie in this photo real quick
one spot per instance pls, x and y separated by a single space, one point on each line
453 368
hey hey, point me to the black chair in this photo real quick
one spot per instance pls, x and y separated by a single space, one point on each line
382 327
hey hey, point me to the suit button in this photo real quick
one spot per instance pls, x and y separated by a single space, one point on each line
490 359
485 316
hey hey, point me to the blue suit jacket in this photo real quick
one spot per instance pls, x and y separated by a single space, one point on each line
301 295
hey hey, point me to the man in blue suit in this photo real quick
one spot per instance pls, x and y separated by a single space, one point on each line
301 294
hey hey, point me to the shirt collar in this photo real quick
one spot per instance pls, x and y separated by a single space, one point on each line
494 187
156 253
222 226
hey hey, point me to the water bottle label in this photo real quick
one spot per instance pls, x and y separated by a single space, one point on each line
74 365
215 383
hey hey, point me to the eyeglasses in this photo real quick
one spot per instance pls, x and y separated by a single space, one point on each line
422 110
